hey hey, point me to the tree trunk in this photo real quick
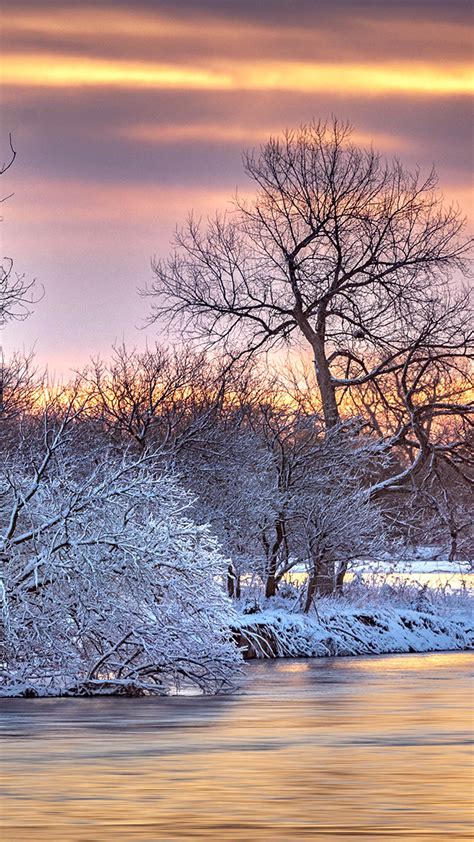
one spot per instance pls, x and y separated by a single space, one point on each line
340 577
310 591
454 543
321 582
231 581
323 374
325 578
271 584
325 384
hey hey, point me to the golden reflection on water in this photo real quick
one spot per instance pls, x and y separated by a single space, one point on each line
368 748
296 665
411 663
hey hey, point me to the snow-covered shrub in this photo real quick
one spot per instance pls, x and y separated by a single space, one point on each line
106 583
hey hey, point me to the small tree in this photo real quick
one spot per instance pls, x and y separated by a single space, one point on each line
16 293
337 521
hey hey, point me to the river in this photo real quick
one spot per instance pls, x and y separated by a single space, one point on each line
343 748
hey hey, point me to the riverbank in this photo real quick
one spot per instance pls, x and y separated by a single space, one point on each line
370 619
339 628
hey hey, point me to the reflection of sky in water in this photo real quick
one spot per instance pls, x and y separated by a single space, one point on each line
371 748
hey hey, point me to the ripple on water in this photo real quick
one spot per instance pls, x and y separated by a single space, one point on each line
369 748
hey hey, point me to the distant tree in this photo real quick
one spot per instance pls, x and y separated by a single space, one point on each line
443 510
16 294
278 492
292 440
148 397
20 389
231 474
322 515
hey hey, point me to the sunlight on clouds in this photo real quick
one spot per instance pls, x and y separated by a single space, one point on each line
353 78
210 132
156 207
231 32
49 70
56 71
128 116
156 133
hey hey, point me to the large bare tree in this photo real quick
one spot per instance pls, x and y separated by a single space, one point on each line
344 252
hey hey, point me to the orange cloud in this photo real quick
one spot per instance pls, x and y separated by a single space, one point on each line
81 204
51 71
156 133
387 34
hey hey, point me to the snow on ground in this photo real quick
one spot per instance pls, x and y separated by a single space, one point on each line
380 619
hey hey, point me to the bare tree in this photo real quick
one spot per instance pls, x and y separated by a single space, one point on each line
20 388
280 492
343 251
16 293
292 440
145 396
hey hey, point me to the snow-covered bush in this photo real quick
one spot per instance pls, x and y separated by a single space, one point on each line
106 583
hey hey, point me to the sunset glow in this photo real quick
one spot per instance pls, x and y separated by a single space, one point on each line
125 119
49 70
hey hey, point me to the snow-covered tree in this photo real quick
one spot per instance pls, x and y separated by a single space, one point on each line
107 584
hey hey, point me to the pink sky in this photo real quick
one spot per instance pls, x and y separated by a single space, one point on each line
127 115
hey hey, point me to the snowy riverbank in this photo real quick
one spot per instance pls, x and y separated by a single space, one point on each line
375 620
349 631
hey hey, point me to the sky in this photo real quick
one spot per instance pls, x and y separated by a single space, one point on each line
128 115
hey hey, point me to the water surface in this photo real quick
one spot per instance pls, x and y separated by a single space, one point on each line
343 748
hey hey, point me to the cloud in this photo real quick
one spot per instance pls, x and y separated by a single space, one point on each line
52 71
127 115
321 32
160 134
185 138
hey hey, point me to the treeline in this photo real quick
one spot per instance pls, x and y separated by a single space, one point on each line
252 449
133 497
